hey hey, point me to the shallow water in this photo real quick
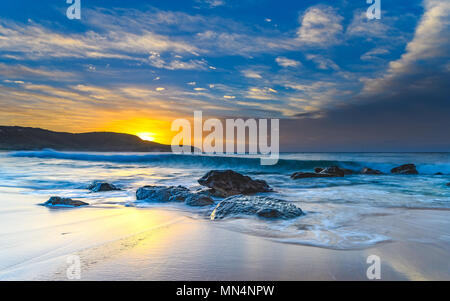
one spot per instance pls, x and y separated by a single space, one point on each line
341 213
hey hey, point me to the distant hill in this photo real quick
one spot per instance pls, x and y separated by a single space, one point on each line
25 138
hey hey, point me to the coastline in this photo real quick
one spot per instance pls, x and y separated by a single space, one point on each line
165 244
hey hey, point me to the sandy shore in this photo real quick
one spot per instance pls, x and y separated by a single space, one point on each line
120 243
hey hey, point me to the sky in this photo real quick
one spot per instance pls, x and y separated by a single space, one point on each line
337 80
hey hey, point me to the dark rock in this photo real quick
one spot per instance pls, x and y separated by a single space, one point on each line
370 171
448 184
318 169
56 201
439 174
334 171
165 194
304 175
228 182
101 187
406 169
264 207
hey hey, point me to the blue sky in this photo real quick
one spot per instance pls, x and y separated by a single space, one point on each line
338 80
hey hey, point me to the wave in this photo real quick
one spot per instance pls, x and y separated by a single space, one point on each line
216 161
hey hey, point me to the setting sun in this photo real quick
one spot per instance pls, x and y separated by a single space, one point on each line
147 136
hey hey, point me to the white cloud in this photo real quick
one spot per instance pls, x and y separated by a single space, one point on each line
285 62
320 26
428 47
229 96
251 74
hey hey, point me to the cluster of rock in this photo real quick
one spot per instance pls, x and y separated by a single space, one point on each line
166 194
225 183
336 171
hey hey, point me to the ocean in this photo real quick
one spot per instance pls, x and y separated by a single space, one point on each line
338 210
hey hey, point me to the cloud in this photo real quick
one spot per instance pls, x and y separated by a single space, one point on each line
285 62
36 42
21 71
320 26
422 61
251 74
322 62
212 3
261 93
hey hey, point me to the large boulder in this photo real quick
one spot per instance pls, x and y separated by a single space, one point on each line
263 207
225 183
448 184
329 172
370 171
406 169
56 201
101 187
166 194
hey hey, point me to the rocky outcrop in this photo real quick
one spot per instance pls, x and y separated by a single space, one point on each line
439 174
448 184
370 171
56 201
101 187
166 194
334 171
329 172
406 169
305 175
225 183
262 207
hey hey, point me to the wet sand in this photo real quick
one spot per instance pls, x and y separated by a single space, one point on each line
120 243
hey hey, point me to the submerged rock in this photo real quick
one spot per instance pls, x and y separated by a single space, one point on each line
304 175
439 174
56 201
370 171
228 183
406 169
263 207
165 194
448 184
101 187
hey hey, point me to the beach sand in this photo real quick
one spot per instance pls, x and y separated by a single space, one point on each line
121 243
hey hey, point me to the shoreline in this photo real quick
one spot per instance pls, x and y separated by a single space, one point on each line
122 243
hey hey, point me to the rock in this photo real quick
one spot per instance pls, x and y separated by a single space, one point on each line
263 207
228 182
101 187
334 171
165 194
198 200
56 201
448 184
439 174
304 175
318 169
370 171
406 169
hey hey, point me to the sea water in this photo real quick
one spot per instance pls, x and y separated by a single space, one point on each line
341 213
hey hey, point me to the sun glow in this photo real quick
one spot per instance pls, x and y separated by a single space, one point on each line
146 136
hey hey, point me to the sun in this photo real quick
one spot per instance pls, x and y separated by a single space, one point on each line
146 136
